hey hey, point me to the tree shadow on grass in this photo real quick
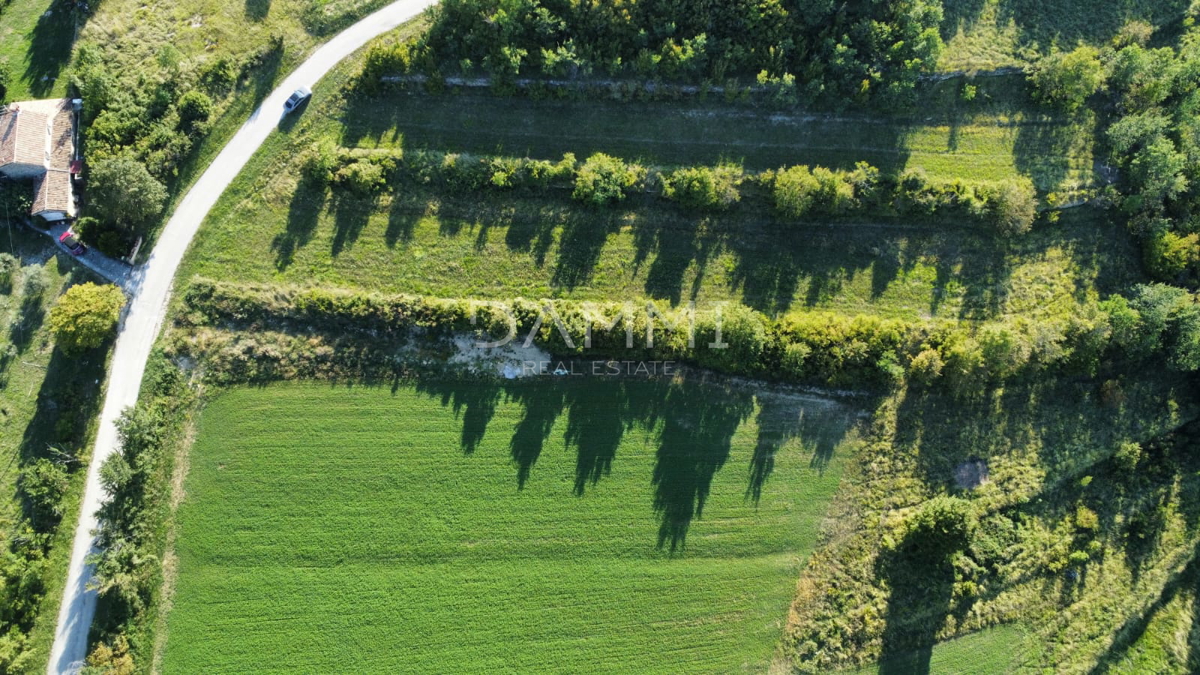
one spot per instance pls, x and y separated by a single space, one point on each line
694 443
921 590
819 426
597 417
541 407
49 48
351 214
584 233
473 402
304 212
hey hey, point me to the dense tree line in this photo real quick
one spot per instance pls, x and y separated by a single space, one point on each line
1157 322
813 50
1151 98
792 193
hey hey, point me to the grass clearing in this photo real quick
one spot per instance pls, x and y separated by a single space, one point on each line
986 34
35 46
537 517
498 247
987 652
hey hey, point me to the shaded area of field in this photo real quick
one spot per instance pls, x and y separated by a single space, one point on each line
502 247
990 651
35 46
993 139
564 524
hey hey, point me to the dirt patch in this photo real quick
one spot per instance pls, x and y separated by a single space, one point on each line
970 474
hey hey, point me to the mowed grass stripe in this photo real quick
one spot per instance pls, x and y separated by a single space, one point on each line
343 529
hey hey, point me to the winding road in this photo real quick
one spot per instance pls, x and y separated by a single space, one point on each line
150 291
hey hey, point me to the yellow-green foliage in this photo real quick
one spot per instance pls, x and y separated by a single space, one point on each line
85 316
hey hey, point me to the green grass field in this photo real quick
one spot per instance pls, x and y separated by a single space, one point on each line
989 652
451 527
447 246
35 46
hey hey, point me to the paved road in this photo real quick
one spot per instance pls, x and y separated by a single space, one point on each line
148 305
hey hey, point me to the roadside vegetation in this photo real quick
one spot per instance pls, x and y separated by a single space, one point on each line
48 402
165 88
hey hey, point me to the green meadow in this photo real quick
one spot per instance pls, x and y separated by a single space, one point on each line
557 525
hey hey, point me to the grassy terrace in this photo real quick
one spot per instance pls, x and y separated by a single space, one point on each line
269 228
557 523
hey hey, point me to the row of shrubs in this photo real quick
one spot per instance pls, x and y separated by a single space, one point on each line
792 193
128 564
817 347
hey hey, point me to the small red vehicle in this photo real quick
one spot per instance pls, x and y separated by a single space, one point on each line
72 244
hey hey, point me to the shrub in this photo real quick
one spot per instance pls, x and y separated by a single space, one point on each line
8 269
121 190
1127 456
85 316
43 484
926 367
603 179
1015 207
1068 79
361 177
940 526
1086 519
195 107
704 187
34 282
1168 255
794 190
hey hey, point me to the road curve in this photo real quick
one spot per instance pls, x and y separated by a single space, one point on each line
148 305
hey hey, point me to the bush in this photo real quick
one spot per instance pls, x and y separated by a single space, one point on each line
34 282
926 367
8 269
1168 255
362 178
794 190
939 527
1015 207
704 188
603 180
195 107
121 190
43 484
1068 79
85 316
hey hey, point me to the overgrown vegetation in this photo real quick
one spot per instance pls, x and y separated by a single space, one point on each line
813 53
47 404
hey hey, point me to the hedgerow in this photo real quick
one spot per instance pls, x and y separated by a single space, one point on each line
812 347
816 54
794 193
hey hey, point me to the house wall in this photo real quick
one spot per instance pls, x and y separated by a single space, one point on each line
22 171
52 216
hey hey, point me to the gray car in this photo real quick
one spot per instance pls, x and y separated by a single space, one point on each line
297 98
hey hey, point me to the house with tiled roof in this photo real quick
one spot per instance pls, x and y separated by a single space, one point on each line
37 142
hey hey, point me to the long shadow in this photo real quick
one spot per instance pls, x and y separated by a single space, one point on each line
350 215
1070 21
583 236
921 590
304 211
474 402
25 327
597 417
781 419
674 247
542 402
697 432
49 48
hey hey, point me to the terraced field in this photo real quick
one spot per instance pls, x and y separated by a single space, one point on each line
558 525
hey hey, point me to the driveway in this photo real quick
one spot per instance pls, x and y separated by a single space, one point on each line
148 305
